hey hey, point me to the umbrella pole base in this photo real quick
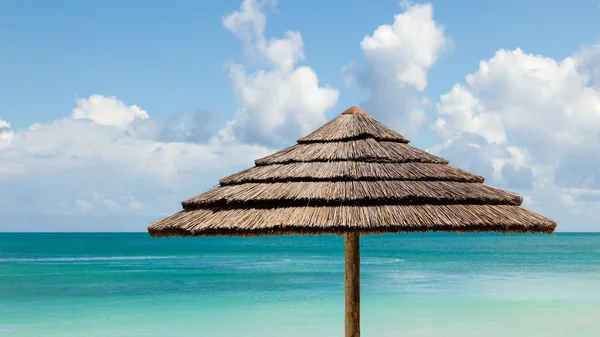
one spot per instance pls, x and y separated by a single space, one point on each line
352 281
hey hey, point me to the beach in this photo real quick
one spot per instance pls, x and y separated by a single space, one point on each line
128 284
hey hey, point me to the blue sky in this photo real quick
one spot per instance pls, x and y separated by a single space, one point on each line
113 166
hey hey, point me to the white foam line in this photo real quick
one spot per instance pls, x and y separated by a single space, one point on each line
95 258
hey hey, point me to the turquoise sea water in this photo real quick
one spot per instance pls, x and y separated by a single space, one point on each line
412 285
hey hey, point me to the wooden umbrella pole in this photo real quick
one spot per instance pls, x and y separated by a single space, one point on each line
352 257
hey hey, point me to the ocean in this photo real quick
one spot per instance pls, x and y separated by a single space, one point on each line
130 285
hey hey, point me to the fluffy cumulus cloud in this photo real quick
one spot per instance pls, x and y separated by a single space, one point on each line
534 124
588 65
108 111
98 162
6 134
397 58
282 102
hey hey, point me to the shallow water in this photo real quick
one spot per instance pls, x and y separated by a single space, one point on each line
412 285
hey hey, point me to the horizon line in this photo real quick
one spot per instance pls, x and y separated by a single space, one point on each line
140 232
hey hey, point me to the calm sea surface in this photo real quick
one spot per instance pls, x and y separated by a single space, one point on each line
132 285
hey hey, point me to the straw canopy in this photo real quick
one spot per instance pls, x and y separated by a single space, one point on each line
352 175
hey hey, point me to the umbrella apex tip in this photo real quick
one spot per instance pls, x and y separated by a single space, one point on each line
354 110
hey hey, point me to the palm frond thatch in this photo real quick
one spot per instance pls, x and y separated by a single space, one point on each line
325 193
340 219
367 149
353 125
351 175
350 170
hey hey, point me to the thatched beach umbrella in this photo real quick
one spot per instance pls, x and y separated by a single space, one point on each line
352 176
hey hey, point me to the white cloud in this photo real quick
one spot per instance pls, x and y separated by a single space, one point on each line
84 205
588 64
75 166
567 199
248 24
538 96
108 111
467 116
397 60
403 52
531 116
282 103
6 134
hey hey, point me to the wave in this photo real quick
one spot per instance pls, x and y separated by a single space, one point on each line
93 258
381 261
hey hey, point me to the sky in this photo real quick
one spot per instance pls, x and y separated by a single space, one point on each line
113 112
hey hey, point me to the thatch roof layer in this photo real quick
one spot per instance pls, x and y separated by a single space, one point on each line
340 219
350 126
283 194
367 149
352 174
350 170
